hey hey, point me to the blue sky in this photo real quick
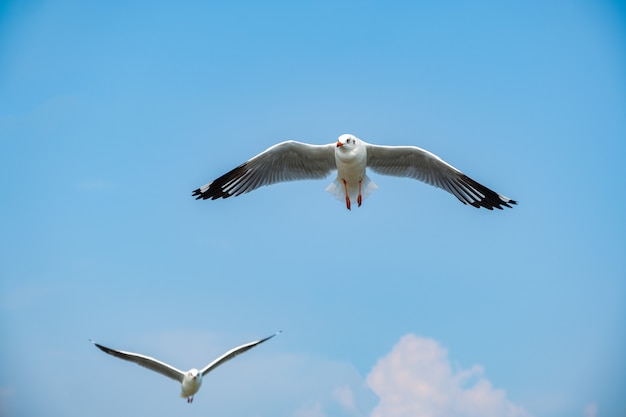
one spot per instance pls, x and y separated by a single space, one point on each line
412 305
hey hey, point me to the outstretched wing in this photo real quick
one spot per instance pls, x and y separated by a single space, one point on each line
234 352
417 163
145 361
286 161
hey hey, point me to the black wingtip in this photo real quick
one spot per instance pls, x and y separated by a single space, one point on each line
490 199
216 189
269 337
507 203
197 193
102 348
99 346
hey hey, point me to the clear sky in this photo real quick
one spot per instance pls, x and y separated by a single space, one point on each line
413 305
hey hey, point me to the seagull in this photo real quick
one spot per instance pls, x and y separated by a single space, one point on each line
350 156
192 379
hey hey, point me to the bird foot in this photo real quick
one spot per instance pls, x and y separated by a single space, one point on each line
345 190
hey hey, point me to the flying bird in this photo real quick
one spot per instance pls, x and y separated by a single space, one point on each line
350 156
192 379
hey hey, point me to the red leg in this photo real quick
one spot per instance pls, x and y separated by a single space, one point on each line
345 190
359 199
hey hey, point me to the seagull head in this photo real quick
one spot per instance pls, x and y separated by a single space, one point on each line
193 373
346 140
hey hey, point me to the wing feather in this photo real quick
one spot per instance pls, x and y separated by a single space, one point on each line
145 361
419 164
232 353
286 161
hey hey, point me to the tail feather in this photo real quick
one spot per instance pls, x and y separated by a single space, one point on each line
336 189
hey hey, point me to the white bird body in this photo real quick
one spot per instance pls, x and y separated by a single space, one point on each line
350 156
191 380
351 161
191 383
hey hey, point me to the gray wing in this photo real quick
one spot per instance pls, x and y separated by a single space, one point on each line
286 161
417 163
145 361
232 353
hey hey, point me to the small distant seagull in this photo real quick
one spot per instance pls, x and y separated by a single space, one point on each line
350 156
190 380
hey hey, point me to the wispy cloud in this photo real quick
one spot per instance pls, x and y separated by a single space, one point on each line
591 410
314 410
344 395
416 380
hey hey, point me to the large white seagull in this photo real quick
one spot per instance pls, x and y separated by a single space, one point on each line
350 156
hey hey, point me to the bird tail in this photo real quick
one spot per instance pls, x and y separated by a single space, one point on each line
336 189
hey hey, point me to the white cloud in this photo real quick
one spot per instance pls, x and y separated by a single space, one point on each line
345 397
416 380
